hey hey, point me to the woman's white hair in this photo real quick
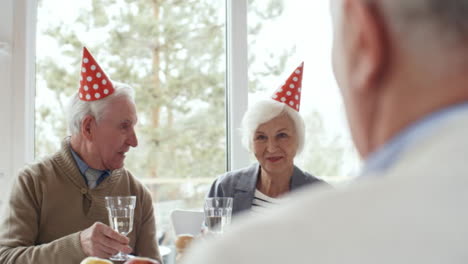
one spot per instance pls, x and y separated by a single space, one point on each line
265 110
78 109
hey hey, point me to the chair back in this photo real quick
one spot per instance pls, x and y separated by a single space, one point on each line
187 221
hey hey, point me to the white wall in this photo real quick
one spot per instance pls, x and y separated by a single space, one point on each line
16 88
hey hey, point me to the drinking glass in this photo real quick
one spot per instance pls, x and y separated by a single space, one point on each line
120 209
218 212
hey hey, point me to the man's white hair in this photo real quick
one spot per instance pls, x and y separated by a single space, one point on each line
78 109
445 20
265 110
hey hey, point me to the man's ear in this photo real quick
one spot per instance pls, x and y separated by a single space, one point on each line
367 45
87 127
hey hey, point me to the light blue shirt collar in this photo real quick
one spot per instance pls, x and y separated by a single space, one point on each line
386 156
82 166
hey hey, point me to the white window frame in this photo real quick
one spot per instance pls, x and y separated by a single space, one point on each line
24 80
236 81
17 45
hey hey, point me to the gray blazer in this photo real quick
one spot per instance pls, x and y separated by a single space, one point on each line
241 184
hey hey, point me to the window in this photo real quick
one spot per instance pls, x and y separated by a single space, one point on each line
174 54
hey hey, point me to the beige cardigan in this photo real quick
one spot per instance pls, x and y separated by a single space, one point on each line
50 204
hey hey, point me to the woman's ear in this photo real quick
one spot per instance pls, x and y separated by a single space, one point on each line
87 127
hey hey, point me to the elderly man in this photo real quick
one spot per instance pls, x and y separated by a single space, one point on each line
402 66
57 210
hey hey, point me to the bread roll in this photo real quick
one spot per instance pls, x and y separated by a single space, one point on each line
183 241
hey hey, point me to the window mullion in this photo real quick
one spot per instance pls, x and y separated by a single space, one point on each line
236 81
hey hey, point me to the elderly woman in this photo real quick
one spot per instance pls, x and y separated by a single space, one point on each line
274 131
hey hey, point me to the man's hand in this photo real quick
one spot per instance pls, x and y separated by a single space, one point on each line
99 240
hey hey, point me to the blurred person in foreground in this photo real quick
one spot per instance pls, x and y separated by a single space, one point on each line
56 212
273 130
402 67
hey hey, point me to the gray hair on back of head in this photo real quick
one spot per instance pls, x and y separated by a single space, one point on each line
265 110
78 109
448 17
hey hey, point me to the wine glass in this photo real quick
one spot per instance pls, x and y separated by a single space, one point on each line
120 209
218 212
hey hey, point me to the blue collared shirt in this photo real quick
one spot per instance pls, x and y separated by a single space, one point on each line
82 166
386 156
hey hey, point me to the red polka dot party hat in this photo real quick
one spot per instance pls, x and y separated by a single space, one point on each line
290 91
94 83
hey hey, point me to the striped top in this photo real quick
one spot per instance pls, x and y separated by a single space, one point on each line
262 203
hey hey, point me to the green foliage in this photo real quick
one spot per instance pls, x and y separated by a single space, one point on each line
173 53
324 156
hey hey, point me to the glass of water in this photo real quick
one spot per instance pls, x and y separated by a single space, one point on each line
120 209
218 212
